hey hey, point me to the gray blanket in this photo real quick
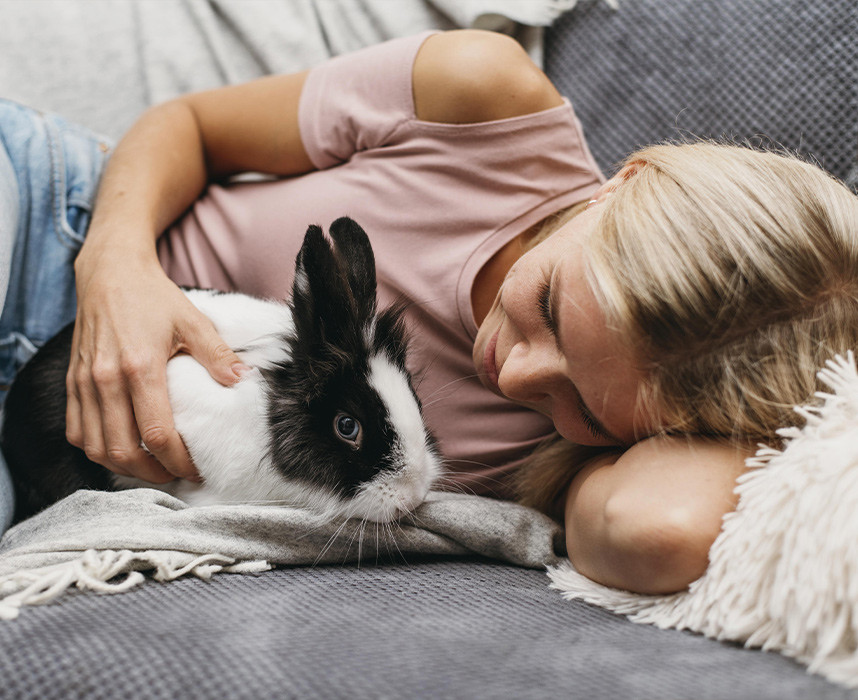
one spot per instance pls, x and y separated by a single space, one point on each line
91 538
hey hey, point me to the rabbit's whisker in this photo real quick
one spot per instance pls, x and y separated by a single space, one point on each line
428 400
330 542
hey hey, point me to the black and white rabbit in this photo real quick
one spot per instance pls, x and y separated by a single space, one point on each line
327 419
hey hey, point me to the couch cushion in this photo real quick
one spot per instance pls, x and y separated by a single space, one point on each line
433 628
774 72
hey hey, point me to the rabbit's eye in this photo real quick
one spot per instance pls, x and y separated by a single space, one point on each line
348 429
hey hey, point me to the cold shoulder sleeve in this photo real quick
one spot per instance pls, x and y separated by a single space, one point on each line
354 102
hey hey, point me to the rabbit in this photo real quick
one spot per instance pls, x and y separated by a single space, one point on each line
327 419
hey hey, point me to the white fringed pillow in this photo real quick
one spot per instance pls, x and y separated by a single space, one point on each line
783 573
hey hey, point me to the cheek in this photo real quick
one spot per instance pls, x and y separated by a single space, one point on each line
518 300
565 416
568 423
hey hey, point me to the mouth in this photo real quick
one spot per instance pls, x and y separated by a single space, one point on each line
489 366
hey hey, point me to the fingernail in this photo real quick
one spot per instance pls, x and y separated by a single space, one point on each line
239 369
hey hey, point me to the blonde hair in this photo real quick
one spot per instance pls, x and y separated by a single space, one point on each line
734 274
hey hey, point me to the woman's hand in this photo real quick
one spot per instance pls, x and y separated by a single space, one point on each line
131 319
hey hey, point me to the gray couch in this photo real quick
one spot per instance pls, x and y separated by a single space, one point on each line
475 628
433 629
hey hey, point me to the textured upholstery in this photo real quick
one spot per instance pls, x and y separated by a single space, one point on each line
434 629
768 72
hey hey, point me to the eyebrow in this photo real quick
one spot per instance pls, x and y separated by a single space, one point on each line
553 303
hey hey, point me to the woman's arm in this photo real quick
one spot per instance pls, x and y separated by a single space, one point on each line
644 520
131 318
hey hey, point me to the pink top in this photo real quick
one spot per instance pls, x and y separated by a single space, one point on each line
437 201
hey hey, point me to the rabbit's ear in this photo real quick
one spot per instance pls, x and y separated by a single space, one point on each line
322 306
355 254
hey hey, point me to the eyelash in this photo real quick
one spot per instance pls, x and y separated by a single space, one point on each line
590 424
544 301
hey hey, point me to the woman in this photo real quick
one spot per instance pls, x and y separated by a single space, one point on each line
458 156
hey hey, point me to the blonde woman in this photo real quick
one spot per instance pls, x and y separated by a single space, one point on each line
724 278
659 323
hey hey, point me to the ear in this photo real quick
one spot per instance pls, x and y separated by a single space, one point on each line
607 189
321 301
355 254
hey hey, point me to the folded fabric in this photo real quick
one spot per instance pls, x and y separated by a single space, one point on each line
783 574
90 538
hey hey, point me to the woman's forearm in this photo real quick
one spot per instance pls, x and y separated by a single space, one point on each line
156 172
166 159
131 318
644 520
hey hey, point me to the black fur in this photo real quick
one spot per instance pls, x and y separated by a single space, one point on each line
44 466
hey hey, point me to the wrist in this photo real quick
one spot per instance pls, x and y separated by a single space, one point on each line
116 254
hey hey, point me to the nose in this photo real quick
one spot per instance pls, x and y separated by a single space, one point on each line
528 375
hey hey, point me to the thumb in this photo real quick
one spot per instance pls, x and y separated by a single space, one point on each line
210 350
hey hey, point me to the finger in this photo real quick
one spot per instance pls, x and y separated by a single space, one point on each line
92 429
74 422
209 349
147 383
74 418
122 439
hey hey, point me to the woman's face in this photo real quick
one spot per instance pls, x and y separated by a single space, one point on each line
545 344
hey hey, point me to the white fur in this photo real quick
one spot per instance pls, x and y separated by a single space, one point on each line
394 493
226 428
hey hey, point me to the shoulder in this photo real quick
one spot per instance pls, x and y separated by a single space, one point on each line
470 76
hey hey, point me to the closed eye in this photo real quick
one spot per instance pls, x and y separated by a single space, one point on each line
546 313
544 302
592 424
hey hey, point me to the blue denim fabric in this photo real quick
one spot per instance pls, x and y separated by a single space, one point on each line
7 494
8 220
57 167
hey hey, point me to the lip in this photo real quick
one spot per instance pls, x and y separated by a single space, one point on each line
489 366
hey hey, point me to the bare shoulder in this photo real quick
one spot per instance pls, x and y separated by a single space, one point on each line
469 76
